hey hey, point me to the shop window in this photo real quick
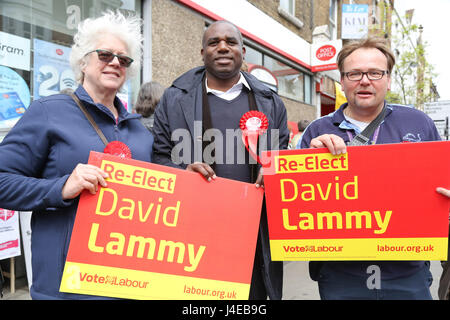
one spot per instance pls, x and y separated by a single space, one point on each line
333 19
253 56
308 97
288 6
292 83
290 80
287 10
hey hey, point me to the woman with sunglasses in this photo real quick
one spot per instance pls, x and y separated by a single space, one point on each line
43 162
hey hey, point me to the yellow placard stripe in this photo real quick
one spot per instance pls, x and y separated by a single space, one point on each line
89 279
139 177
359 249
319 162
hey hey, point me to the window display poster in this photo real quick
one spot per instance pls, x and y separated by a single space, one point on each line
14 51
14 97
52 69
9 234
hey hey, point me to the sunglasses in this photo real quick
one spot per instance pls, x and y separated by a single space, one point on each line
108 56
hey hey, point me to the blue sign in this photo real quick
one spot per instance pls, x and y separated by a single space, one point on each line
355 8
355 21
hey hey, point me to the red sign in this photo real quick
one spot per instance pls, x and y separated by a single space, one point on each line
323 55
6 214
373 203
326 52
165 233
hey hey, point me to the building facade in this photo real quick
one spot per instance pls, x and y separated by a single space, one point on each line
35 42
36 36
281 38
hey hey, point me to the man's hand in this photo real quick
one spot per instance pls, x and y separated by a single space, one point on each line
204 169
260 180
84 176
443 191
334 143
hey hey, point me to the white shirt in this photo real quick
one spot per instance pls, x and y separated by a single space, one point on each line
233 92
361 125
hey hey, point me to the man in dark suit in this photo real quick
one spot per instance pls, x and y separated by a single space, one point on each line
205 105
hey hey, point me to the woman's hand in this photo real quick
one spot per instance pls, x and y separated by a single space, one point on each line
84 176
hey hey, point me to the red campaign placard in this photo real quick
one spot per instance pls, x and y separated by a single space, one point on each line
170 231
359 205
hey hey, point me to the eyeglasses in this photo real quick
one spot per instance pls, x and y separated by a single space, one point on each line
371 75
108 56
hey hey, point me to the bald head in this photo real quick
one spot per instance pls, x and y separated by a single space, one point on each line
238 32
222 54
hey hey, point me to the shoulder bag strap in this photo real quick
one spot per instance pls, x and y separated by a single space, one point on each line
89 117
364 137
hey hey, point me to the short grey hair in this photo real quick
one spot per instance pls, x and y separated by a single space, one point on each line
90 31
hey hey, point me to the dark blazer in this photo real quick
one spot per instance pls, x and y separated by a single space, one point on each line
181 108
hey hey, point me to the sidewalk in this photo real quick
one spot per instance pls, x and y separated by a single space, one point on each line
22 292
297 284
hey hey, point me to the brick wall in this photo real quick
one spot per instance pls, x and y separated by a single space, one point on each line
302 12
176 40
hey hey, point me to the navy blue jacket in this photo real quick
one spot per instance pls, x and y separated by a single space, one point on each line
37 157
181 108
400 124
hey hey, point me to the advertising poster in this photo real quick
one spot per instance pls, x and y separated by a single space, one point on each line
9 234
373 203
157 232
439 111
14 51
52 72
14 97
355 21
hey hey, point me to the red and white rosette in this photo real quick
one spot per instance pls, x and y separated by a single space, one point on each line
253 124
119 149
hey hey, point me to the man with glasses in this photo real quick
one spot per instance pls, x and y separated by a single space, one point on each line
365 68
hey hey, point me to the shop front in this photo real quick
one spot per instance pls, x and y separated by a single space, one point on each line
35 44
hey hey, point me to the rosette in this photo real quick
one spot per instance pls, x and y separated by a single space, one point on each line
253 124
119 149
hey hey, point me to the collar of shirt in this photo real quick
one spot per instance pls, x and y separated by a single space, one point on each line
231 93
360 126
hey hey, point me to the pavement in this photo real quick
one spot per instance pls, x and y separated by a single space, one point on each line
297 283
299 286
